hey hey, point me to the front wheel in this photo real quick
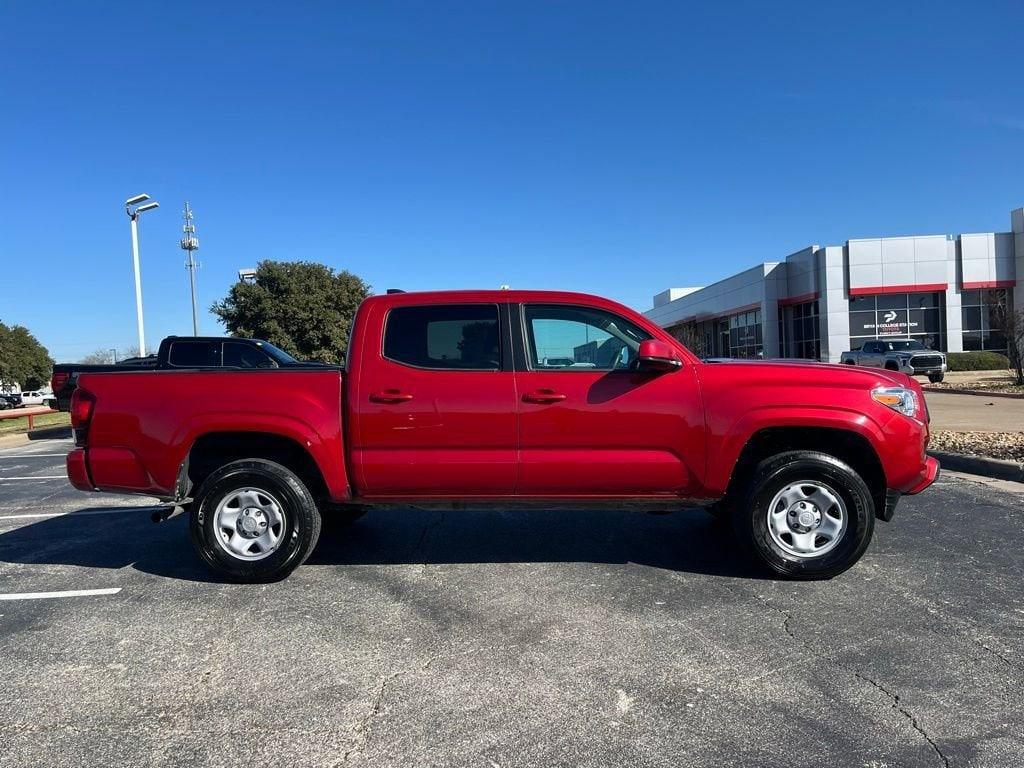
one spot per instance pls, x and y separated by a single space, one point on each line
935 378
254 521
807 515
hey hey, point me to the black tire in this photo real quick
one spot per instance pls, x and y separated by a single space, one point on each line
891 367
750 518
935 378
301 527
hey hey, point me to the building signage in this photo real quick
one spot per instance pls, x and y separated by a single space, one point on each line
890 322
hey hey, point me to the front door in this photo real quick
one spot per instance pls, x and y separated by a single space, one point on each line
434 404
591 425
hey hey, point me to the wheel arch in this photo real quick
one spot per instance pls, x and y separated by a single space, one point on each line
849 446
212 450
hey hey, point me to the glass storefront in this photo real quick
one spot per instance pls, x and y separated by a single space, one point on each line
920 316
745 335
803 339
982 315
738 335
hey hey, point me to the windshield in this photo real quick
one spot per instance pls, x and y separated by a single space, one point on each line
901 346
278 354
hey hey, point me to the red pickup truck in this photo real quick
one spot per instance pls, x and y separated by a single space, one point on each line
506 397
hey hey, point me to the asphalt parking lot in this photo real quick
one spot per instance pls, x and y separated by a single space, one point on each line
512 638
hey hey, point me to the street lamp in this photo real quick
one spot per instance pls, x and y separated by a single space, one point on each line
133 208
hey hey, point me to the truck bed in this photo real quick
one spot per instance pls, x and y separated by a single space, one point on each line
165 412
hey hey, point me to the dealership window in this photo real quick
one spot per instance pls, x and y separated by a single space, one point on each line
919 316
745 334
806 334
980 313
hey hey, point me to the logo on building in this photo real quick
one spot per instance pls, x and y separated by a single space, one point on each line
890 316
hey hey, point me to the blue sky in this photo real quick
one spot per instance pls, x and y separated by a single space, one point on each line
613 148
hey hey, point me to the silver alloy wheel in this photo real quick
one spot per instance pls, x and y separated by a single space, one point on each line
806 519
248 524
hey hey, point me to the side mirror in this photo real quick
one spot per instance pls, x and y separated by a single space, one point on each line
655 355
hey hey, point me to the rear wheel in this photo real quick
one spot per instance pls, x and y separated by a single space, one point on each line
254 521
806 515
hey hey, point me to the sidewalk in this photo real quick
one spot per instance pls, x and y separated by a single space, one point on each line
975 413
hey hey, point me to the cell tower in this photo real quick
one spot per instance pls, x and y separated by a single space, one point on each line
190 244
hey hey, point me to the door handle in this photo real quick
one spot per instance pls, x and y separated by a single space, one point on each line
544 396
390 396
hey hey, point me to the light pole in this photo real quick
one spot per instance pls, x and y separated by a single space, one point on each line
133 214
190 244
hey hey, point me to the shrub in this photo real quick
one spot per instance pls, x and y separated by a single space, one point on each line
977 361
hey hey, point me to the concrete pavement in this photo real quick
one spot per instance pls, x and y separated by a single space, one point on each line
975 413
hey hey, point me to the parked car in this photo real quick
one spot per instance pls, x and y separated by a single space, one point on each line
37 397
907 356
9 401
180 352
445 400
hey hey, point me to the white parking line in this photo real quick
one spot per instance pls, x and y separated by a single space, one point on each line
66 593
37 477
30 455
84 512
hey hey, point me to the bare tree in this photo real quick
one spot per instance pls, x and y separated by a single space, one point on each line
99 357
1010 322
688 334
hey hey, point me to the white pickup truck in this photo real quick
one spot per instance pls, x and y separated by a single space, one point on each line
905 355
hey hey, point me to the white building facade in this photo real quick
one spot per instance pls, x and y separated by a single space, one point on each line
821 301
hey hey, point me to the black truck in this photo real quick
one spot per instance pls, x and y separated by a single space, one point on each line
181 352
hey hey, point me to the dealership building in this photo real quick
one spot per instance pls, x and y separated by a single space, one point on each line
821 301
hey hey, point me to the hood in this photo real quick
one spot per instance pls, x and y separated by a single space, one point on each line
814 373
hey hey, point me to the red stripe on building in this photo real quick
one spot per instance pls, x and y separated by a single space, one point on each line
799 299
990 284
923 288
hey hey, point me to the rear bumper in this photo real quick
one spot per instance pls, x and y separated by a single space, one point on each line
78 471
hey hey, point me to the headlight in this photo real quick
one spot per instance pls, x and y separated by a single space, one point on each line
898 398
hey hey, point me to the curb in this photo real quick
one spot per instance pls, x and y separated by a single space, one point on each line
976 465
976 392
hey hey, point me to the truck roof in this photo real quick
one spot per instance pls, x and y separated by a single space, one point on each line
489 295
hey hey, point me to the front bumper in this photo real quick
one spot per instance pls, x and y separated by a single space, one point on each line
930 474
910 370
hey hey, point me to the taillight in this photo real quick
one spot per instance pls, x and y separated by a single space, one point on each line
82 404
58 381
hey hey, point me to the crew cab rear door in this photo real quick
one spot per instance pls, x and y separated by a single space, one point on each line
433 403
589 423
871 354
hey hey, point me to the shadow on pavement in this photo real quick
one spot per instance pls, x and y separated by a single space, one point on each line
688 540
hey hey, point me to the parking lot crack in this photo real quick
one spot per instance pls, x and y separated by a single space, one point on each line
898 706
361 730
894 698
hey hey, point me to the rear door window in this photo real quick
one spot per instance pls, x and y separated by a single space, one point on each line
444 337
